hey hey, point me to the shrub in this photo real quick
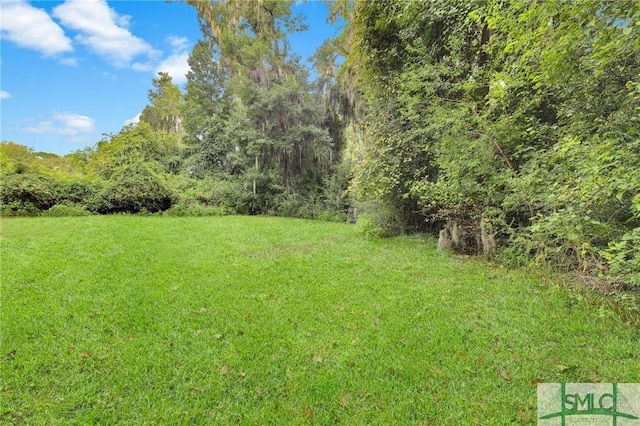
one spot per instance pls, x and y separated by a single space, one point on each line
225 193
290 205
18 209
182 209
566 239
332 216
311 206
133 189
78 191
624 257
369 227
64 210
375 220
28 192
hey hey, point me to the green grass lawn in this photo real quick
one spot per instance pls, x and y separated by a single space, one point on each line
257 320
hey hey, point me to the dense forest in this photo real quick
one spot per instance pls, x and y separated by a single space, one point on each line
509 129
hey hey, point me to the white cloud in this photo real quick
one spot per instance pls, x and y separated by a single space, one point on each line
140 66
102 30
4 95
178 43
32 28
121 20
64 123
72 62
132 120
177 66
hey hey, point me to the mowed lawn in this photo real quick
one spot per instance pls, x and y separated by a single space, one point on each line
257 320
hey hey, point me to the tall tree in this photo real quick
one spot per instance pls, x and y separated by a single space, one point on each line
584 184
516 116
418 68
274 120
335 101
163 111
251 35
204 112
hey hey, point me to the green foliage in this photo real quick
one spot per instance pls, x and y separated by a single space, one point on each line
277 132
79 190
337 199
528 109
370 228
11 152
18 209
196 210
416 74
66 210
23 193
225 193
252 113
310 206
165 104
134 188
34 182
133 144
623 257
204 113
15 158
375 220
583 184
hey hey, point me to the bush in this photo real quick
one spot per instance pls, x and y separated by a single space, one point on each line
18 209
624 257
291 205
64 210
78 191
375 220
331 216
133 189
564 239
225 193
20 193
369 227
311 206
183 209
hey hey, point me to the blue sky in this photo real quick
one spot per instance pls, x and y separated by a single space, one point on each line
73 70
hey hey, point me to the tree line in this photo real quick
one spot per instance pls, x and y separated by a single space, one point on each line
509 128
250 134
